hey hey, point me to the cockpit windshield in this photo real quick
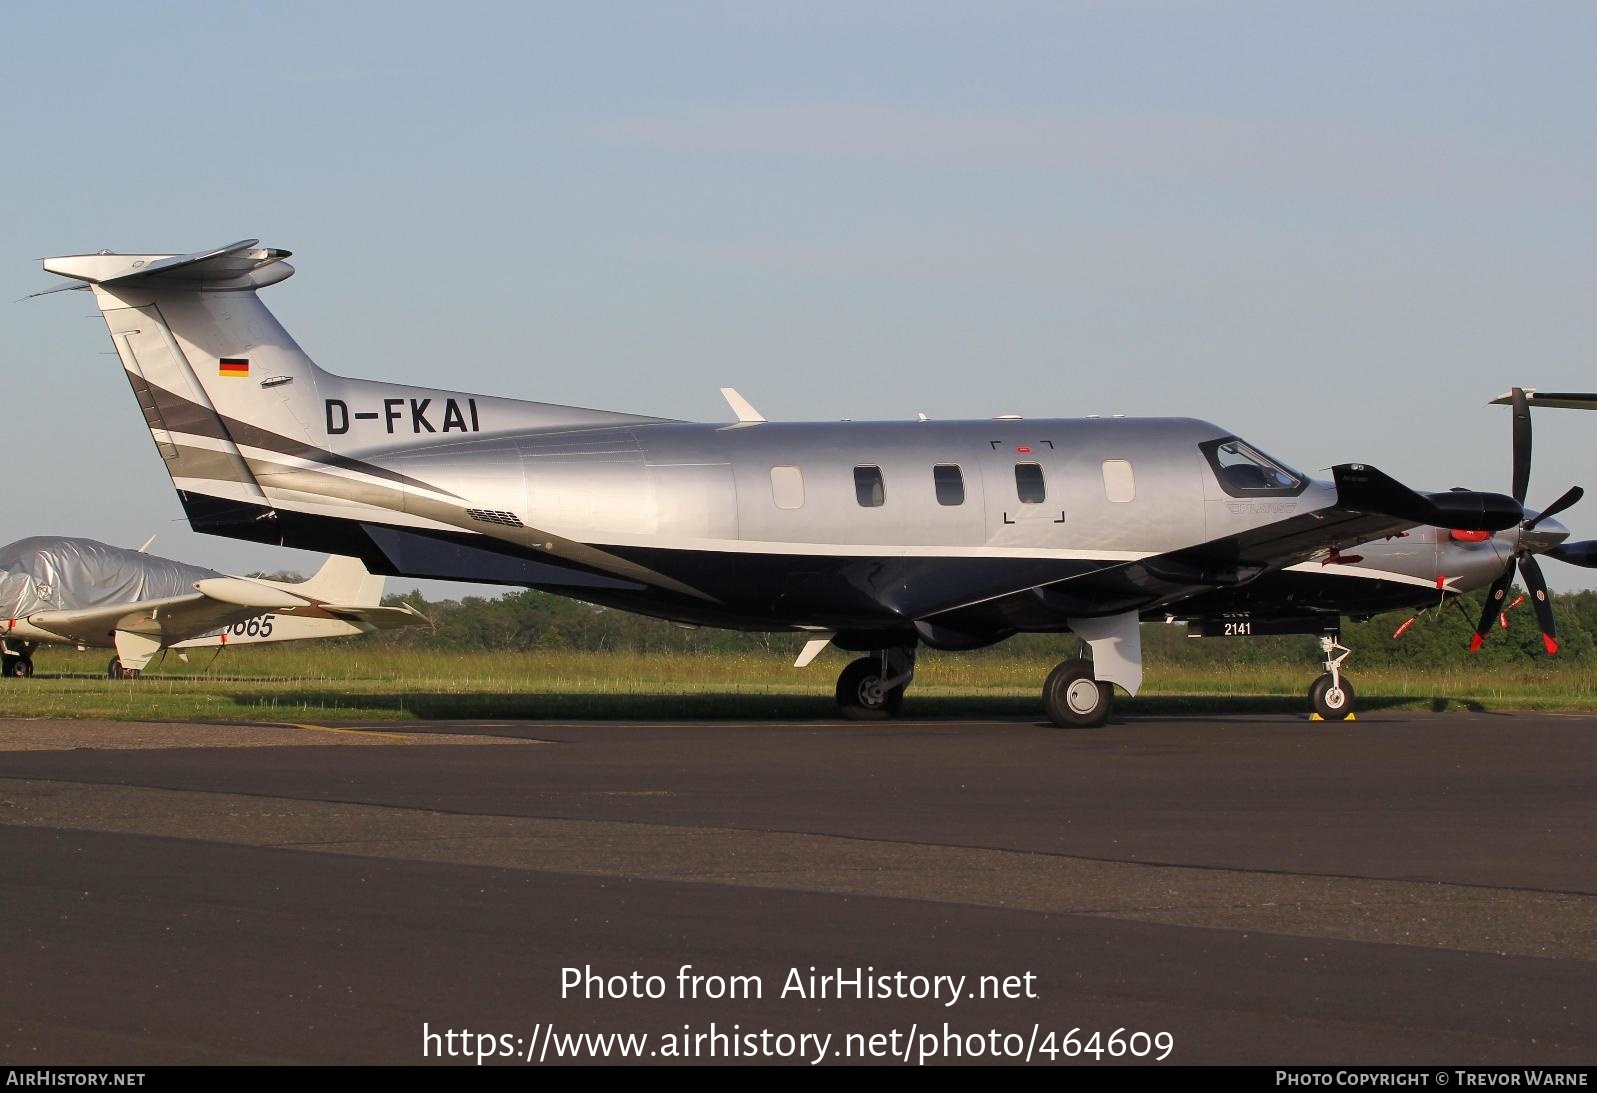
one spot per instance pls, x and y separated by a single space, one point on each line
1245 471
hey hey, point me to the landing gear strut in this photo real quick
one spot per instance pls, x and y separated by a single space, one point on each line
872 688
1332 694
1079 694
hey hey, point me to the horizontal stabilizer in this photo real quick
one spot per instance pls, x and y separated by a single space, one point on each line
380 618
241 265
1565 400
1365 489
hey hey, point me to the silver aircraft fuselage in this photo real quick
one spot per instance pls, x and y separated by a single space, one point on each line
879 535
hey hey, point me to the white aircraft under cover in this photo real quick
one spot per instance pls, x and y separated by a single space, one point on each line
87 593
877 537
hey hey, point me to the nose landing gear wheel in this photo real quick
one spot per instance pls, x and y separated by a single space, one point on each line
1074 699
861 696
1330 701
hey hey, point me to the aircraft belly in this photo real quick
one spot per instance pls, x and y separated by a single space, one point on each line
1299 593
839 591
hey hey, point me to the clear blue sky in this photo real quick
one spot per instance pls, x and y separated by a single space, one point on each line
1338 229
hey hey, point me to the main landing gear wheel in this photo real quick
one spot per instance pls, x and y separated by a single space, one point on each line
114 670
860 695
19 667
1074 699
1329 700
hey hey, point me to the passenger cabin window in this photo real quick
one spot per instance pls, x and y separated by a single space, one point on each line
1119 483
950 483
868 487
787 487
1030 486
1247 472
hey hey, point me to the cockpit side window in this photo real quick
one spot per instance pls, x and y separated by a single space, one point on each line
1244 471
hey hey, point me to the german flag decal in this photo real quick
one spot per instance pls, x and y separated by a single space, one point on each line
233 366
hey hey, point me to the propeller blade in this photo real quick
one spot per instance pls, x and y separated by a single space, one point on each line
1583 553
1521 443
1532 573
1571 495
1494 605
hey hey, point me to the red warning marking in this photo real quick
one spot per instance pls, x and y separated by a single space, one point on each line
1022 449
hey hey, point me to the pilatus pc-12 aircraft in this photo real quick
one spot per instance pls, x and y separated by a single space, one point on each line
63 591
876 537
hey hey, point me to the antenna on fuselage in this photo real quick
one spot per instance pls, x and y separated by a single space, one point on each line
745 411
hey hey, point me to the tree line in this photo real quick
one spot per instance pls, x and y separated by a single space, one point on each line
528 620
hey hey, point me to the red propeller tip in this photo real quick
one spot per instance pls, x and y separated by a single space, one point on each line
1552 645
1475 643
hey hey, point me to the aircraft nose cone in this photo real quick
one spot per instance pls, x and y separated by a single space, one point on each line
1543 537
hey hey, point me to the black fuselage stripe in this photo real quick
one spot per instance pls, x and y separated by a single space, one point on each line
187 416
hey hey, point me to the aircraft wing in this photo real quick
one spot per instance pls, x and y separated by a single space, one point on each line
200 617
165 621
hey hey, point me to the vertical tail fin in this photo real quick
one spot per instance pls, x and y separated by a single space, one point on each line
341 580
170 316
264 445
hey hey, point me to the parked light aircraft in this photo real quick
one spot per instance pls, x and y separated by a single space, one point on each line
86 593
875 537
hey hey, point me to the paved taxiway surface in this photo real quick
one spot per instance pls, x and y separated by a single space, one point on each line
1406 888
